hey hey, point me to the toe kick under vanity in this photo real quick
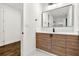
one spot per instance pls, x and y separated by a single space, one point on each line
58 44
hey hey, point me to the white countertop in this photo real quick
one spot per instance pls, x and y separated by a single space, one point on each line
66 33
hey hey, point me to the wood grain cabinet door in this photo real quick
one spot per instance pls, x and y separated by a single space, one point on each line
38 40
63 45
12 49
72 45
43 41
59 45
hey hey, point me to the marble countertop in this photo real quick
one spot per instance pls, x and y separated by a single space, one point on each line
66 33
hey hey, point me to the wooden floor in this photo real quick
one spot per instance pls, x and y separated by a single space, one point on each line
12 49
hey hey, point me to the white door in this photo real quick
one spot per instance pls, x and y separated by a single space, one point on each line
31 12
1 27
29 29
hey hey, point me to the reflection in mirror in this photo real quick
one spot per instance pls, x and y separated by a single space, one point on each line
60 17
45 19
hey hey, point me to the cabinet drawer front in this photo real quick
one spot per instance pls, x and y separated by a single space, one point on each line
58 50
72 52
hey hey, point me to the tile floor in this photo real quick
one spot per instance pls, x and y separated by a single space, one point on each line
39 52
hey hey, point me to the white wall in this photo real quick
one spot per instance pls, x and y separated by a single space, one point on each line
29 41
1 27
76 17
12 24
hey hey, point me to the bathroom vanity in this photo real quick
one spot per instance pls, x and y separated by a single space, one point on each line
12 49
60 31
59 44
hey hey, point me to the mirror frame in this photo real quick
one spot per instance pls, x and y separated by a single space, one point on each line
55 9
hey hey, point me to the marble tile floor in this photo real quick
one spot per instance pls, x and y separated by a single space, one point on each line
40 52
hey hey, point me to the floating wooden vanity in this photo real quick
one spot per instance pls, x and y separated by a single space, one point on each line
12 49
59 44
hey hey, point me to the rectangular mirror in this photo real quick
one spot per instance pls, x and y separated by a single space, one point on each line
59 17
